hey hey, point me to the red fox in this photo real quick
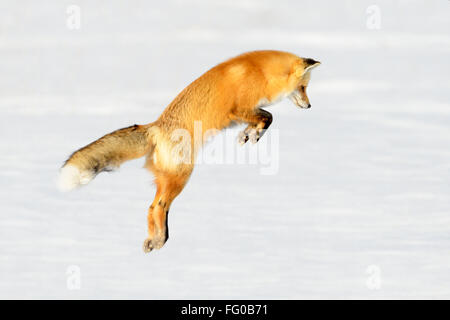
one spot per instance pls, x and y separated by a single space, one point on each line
233 91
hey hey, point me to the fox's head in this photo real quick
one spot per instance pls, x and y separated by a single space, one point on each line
302 74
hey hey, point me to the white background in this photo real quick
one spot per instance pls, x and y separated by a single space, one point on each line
363 179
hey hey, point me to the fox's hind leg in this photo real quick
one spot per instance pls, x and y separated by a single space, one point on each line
258 122
168 186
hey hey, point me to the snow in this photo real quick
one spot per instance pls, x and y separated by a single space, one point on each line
355 203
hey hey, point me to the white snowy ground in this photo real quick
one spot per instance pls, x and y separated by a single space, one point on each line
362 189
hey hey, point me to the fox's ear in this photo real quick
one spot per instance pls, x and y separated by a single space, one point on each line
308 64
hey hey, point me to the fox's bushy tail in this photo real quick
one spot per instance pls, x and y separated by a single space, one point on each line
105 154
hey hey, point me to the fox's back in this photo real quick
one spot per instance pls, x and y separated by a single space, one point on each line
244 79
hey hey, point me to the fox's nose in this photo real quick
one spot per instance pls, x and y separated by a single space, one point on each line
309 106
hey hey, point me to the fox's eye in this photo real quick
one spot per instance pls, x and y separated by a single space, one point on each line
302 88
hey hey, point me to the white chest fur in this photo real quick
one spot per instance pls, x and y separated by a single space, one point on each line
265 102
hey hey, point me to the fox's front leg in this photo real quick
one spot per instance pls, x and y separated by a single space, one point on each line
258 122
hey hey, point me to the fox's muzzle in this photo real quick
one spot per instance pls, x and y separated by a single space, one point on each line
298 100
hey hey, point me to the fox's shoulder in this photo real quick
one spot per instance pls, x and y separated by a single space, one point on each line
263 60
263 63
264 54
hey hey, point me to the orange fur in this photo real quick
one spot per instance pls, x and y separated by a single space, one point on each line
233 91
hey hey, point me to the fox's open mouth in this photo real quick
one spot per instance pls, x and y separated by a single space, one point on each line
297 99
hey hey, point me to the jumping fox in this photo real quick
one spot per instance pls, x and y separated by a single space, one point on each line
234 91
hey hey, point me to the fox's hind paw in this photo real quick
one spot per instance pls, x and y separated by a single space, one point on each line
155 243
148 245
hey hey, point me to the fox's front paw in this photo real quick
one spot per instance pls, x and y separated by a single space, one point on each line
251 133
254 135
155 243
242 138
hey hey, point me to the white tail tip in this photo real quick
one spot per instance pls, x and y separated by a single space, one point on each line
70 177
